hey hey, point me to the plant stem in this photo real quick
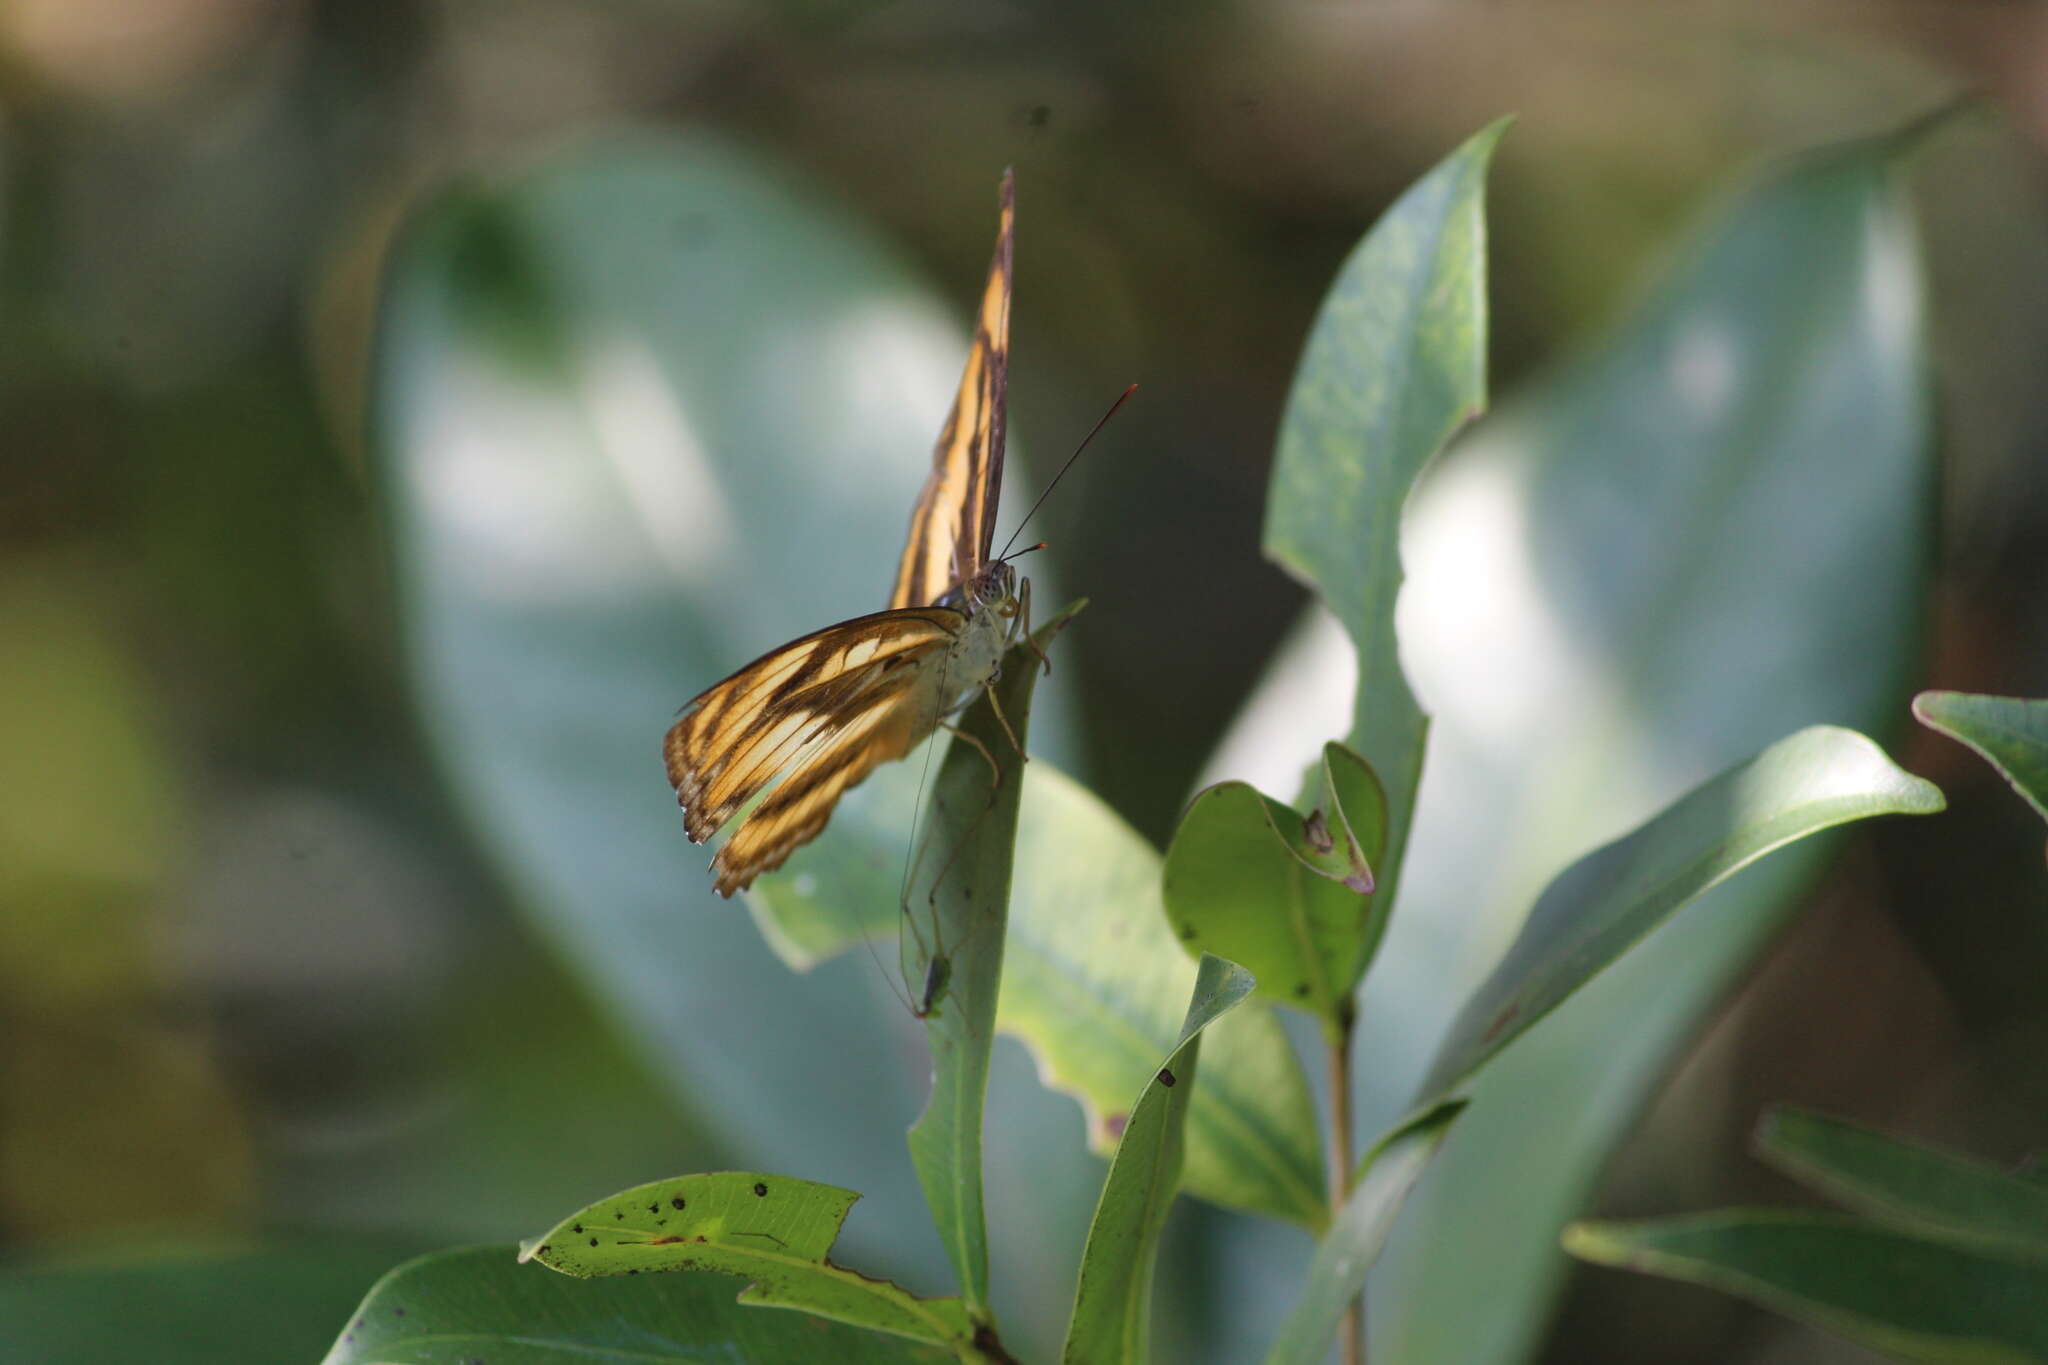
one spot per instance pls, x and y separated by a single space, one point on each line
1351 1332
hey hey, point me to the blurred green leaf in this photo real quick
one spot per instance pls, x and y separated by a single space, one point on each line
280 1303
958 905
1395 364
1894 1292
1249 878
1602 905
1091 977
2011 734
1915 1187
1347 1253
1704 534
1113 1299
479 1303
639 415
773 1231
1088 983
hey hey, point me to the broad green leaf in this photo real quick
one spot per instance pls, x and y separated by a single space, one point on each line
1905 1183
280 1303
1705 533
1252 879
1395 364
1090 986
639 415
771 1230
957 904
1347 1252
1600 906
1111 1323
2010 732
1911 1298
480 1304
1094 984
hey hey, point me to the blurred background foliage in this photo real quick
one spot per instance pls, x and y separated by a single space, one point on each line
254 974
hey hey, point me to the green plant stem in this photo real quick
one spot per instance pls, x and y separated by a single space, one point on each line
1351 1332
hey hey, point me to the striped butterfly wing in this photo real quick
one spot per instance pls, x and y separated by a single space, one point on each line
777 743
952 528
820 714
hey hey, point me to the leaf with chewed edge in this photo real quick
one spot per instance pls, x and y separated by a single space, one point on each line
773 1230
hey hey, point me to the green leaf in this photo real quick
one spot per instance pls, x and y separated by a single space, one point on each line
1889 1290
771 1230
1094 983
1395 364
1915 1187
1600 906
958 908
480 1304
1705 533
280 1303
2011 734
1347 1252
1253 880
606 392
1113 1298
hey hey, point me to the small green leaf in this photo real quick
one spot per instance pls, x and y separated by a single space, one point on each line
1914 1187
1095 986
958 908
1889 1290
1395 364
1601 905
774 1230
1113 1299
1289 896
480 1304
1337 1275
2010 732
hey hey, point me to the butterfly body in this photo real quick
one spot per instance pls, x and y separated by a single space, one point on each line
777 743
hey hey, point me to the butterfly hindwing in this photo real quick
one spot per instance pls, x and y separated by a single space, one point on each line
952 528
820 713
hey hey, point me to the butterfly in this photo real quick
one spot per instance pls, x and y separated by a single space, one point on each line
823 712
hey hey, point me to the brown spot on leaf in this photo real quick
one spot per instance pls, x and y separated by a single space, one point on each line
1165 1077
1316 830
679 1202
760 1190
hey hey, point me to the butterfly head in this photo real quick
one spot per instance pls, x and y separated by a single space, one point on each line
995 586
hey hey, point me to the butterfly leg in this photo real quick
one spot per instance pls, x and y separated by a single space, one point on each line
1004 721
995 768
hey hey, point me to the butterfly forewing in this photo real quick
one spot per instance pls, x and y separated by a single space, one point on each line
952 528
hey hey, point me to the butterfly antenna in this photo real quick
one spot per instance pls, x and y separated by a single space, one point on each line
1120 400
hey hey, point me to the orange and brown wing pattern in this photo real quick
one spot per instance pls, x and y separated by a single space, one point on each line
820 713
953 526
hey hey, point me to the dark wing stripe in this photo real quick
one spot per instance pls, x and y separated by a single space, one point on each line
799 808
952 528
847 683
